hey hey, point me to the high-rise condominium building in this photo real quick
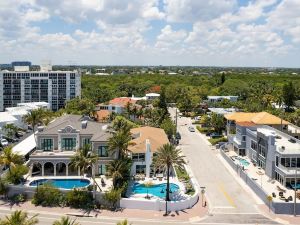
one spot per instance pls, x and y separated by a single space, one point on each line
46 85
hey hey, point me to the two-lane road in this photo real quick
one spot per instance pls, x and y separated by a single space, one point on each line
225 195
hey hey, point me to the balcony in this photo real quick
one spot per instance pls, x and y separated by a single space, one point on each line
288 170
51 154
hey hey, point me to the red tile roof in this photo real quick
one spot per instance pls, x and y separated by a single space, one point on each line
122 101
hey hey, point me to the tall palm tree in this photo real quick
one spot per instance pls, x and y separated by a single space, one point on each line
167 156
118 170
85 159
119 143
34 117
10 159
19 217
65 220
10 130
124 222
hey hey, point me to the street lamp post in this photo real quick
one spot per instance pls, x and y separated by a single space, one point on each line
202 194
176 119
295 189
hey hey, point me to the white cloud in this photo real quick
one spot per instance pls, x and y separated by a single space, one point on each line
286 18
170 39
191 11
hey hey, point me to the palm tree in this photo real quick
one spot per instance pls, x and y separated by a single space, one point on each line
119 143
34 117
118 170
10 130
10 159
66 221
85 159
167 156
124 222
19 217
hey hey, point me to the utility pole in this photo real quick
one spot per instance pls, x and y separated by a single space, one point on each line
176 119
295 188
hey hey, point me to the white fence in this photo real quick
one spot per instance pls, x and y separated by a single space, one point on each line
276 207
160 204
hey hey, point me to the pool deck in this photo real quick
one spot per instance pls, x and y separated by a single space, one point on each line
258 175
106 187
173 180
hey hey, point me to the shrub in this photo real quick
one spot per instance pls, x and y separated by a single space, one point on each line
47 195
215 141
112 197
16 173
79 198
204 129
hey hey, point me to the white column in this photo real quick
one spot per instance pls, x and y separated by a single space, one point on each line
67 169
54 164
148 159
43 169
78 171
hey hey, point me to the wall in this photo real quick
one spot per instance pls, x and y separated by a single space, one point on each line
159 204
276 207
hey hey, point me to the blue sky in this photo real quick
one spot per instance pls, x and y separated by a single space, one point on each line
152 32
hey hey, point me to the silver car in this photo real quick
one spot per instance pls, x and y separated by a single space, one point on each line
191 129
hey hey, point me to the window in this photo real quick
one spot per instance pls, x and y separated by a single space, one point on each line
103 151
47 144
138 157
262 151
140 168
85 141
102 169
253 145
293 162
243 138
68 144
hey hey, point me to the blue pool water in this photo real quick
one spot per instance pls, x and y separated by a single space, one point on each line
62 183
158 190
244 162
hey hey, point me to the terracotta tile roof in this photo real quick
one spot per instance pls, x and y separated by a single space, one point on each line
122 101
156 136
102 115
261 118
246 124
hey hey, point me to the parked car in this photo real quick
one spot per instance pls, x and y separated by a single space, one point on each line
4 142
178 136
191 129
215 135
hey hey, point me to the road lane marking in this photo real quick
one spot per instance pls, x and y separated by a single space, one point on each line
227 196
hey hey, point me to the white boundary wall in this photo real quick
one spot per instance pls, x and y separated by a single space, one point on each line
160 204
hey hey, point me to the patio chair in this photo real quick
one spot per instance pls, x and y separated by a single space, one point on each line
274 195
282 198
280 193
290 198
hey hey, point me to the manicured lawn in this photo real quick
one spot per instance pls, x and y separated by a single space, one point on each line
215 141
184 177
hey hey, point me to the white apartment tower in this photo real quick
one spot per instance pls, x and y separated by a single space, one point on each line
23 85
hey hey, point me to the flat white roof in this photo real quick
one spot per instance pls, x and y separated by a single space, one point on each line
222 111
282 140
6 117
25 146
227 96
153 94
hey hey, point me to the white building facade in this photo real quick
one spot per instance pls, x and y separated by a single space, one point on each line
54 87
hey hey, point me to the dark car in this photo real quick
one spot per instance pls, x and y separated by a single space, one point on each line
215 135
178 136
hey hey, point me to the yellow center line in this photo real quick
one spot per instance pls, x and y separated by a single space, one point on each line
227 196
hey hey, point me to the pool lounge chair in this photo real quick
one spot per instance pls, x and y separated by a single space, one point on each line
280 189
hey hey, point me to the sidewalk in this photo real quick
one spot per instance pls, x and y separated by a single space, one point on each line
193 214
280 218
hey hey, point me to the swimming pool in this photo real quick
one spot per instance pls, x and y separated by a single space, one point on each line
62 183
158 190
244 162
